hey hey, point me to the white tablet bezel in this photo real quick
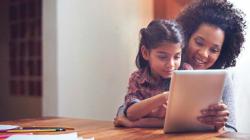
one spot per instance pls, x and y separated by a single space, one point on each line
190 92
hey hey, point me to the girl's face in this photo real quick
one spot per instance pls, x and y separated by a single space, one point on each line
164 59
204 47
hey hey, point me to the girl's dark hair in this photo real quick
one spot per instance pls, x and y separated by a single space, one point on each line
219 13
158 32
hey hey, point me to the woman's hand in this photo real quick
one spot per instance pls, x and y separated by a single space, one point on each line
216 115
121 120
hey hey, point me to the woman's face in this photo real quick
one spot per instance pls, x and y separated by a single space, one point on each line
204 47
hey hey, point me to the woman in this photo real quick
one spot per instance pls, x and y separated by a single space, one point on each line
214 34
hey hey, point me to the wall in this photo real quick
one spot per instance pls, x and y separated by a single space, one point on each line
4 75
89 53
241 77
50 66
12 107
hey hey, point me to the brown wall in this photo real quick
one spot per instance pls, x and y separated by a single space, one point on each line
12 106
168 9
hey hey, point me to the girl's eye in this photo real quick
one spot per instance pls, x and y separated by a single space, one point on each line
198 43
162 57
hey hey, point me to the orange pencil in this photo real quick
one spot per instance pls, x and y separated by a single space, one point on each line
67 128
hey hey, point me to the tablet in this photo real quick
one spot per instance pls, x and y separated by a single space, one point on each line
190 92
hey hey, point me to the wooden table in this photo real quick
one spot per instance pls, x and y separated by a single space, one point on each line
105 130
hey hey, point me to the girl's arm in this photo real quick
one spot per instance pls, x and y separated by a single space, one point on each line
121 120
158 112
144 107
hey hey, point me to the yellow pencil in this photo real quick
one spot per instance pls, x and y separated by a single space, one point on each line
34 130
68 128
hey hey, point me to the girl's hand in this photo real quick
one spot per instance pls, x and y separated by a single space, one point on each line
159 112
121 120
217 115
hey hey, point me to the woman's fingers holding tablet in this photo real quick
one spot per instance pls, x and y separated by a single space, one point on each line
217 110
212 119
217 125
218 107
218 122
215 113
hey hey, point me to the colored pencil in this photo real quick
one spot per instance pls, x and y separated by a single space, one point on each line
67 128
41 128
4 130
34 130
6 136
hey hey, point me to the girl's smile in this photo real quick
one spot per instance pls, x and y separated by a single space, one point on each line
168 72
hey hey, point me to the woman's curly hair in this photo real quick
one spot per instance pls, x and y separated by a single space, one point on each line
222 14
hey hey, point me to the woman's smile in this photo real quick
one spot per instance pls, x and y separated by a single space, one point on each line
198 61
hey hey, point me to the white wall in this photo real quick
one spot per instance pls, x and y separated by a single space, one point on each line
241 77
50 64
89 53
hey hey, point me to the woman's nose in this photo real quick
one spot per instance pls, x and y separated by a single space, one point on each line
203 52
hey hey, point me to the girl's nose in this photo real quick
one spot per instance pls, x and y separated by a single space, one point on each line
170 63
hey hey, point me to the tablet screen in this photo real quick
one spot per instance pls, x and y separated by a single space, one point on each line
191 92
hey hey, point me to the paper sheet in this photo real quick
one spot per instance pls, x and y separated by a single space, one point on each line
6 127
86 139
70 136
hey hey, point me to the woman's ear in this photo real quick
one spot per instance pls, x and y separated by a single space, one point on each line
145 53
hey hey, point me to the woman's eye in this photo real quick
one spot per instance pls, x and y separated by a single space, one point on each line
198 43
177 57
214 50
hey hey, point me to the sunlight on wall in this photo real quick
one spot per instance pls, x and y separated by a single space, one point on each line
90 49
241 77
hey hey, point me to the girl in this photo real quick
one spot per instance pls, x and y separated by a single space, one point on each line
159 55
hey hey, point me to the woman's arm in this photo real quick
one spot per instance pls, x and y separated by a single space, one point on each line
228 99
144 107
